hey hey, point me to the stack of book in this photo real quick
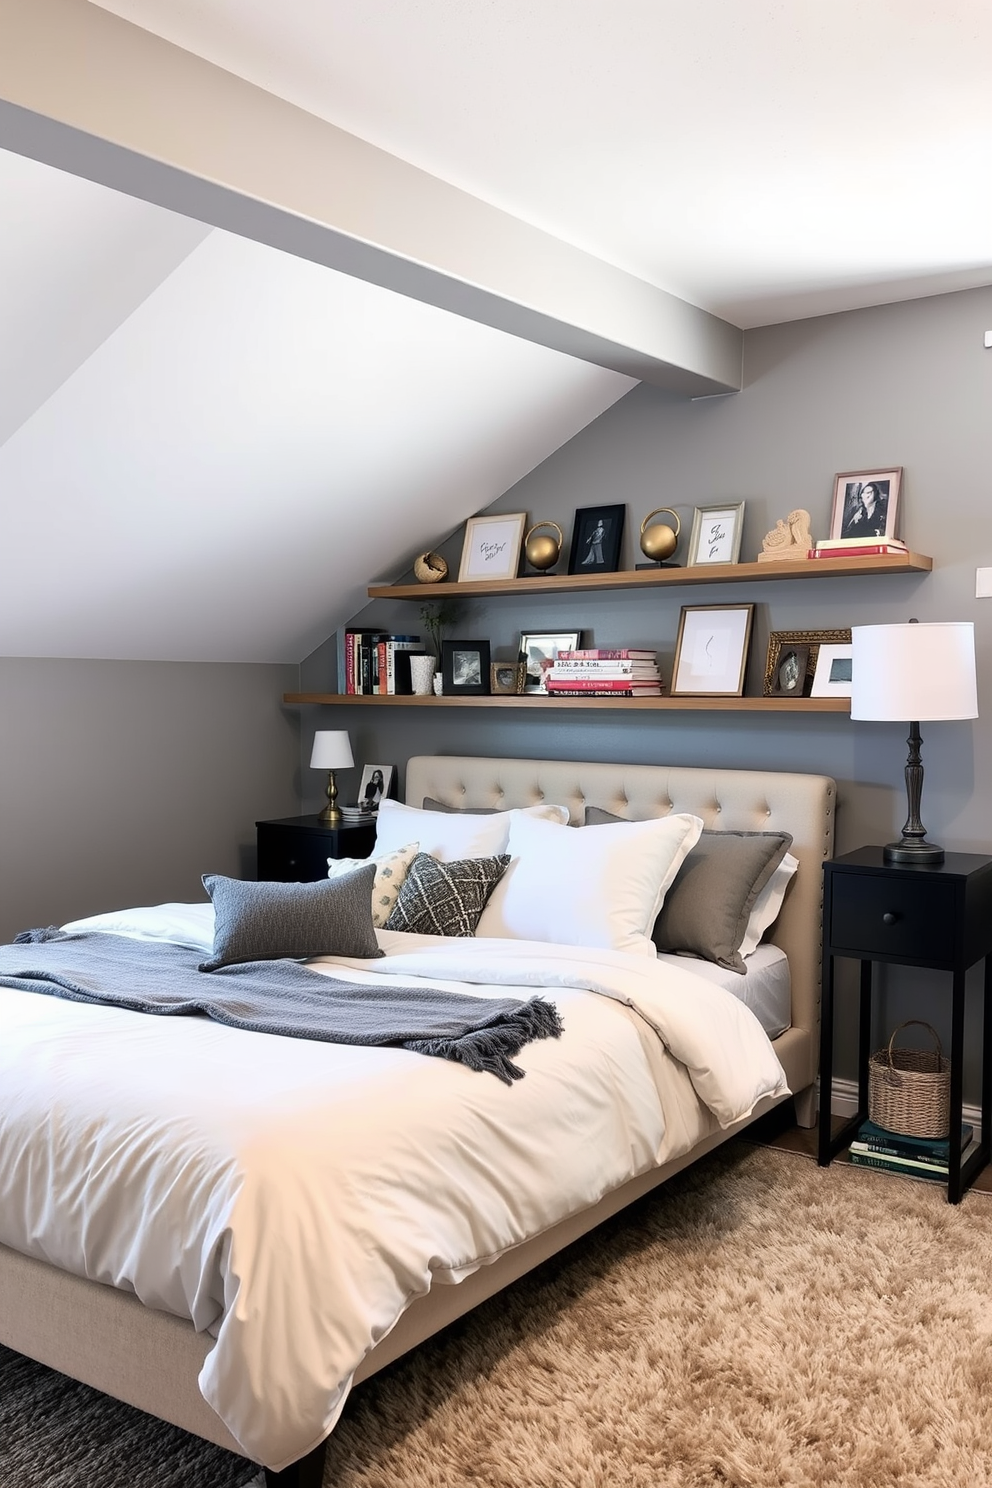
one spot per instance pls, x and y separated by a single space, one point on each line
375 661
603 672
916 1157
855 547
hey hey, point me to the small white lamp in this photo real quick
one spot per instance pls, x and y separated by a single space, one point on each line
905 673
331 751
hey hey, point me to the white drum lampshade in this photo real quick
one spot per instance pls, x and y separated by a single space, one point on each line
331 751
908 673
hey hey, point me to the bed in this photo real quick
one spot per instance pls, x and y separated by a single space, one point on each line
153 1357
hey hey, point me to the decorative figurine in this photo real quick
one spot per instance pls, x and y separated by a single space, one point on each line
789 538
430 568
659 542
544 551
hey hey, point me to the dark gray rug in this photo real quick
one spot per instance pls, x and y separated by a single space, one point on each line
56 1433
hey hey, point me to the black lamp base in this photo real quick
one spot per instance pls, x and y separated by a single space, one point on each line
911 850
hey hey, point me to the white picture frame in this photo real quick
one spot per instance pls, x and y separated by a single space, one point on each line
491 549
377 788
716 534
538 650
832 677
711 651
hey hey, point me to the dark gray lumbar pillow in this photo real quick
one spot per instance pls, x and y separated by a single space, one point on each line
431 805
266 921
446 898
706 910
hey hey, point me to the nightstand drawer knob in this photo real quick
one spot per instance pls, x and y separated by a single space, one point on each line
891 919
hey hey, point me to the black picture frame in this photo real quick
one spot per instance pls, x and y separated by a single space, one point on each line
590 553
465 668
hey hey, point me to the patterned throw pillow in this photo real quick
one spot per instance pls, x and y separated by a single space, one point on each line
390 871
446 898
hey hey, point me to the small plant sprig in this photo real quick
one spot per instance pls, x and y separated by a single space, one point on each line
437 616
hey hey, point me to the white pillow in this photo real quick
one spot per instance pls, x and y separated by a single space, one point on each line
764 910
601 888
189 925
449 836
390 874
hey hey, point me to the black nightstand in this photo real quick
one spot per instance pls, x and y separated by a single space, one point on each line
908 915
295 849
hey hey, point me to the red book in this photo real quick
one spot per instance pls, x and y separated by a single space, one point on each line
612 692
870 549
601 684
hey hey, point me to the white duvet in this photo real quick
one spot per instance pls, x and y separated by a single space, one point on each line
293 1197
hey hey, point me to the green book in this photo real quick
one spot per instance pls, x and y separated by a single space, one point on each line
874 1138
901 1165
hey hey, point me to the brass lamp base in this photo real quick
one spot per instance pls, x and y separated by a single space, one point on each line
331 814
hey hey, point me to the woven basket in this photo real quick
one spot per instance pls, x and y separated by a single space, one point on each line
909 1090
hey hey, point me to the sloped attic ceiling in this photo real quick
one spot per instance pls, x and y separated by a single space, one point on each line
211 447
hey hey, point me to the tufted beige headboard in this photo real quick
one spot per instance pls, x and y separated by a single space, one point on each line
743 800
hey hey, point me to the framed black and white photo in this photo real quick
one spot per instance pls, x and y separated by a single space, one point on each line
832 677
711 651
377 782
507 678
780 642
716 534
866 505
491 549
597 534
539 649
465 668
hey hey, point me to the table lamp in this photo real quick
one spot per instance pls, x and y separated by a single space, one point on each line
905 673
331 751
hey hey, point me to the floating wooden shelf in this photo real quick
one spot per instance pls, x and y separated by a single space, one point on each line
559 705
654 578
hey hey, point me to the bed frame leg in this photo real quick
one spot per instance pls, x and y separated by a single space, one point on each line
806 1104
308 1472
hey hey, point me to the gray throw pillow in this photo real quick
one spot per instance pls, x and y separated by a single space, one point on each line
266 921
431 805
707 908
446 898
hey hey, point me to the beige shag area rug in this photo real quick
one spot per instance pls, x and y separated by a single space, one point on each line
758 1322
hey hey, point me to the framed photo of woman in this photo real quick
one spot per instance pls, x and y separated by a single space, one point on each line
597 533
866 505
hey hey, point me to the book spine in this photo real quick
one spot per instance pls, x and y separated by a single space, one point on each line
349 661
382 677
605 654
605 668
876 549
897 1165
607 692
878 1150
607 684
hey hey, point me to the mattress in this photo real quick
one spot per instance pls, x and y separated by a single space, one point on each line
765 987
341 1183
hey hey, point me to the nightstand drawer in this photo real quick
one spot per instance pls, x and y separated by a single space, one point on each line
892 916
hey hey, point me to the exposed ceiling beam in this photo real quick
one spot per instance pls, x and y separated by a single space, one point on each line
99 97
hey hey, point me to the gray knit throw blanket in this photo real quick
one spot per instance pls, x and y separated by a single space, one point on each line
280 997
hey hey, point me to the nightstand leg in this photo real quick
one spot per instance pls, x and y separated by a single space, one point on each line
954 1185
864 1039
987 1062
823 1152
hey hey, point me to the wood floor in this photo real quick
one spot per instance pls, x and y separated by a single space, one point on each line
779 1129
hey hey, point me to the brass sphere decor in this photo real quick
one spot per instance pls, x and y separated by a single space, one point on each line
542 552
430 568
659 542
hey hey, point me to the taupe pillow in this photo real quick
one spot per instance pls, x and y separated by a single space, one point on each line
707 908
431 805
446 898
266 921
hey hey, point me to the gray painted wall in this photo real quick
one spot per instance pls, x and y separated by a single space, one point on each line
907 384
121 782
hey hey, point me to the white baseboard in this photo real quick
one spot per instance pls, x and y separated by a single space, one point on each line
845 1102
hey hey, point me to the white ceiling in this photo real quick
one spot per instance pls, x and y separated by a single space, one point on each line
209 448
764 159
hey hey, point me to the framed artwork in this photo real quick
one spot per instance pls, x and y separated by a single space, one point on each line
597 534
491 549
790 670
377 781
507 678
711 651
866 504
465 668
538 650
716 534
810 641
832 676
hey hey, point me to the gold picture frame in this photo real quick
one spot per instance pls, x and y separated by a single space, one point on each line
810 641
507 678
